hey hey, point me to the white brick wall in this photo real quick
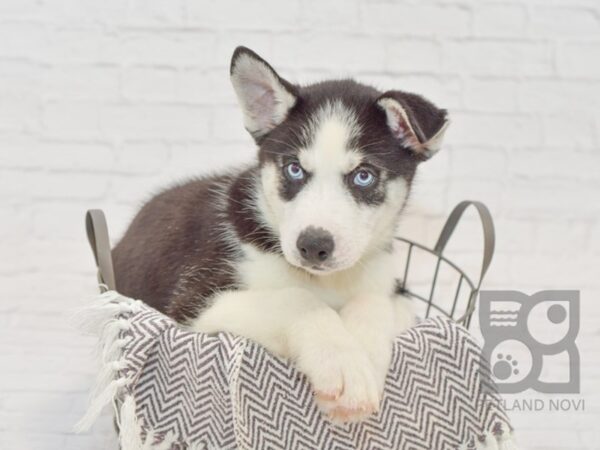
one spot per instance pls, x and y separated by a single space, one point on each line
103 102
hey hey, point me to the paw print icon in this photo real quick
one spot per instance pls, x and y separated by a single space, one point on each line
523 332
505 367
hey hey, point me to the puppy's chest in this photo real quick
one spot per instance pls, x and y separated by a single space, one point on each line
266 271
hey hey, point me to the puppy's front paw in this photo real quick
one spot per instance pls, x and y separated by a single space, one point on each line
381 357
345 385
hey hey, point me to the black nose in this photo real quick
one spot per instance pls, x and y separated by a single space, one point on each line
315 245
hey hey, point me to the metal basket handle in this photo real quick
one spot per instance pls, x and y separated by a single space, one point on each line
489 240
97 233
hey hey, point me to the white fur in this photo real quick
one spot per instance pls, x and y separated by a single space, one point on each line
326 202
337 326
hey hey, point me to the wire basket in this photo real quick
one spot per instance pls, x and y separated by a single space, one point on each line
463 280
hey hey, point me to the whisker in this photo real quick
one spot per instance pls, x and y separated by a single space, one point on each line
271 152
373 143
277 141
299 135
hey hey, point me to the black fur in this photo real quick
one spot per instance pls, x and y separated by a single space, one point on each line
382 150
175 254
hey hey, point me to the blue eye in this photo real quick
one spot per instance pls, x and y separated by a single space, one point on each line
363 178
294 171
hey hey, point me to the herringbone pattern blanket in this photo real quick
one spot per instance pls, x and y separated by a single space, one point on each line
177 389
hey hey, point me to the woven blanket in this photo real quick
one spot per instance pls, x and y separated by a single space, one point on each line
175 389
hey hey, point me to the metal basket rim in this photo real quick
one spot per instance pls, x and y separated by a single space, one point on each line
465 318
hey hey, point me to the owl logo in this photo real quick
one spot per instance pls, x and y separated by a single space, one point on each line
523 334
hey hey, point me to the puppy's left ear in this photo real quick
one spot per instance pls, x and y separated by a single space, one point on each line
264 96
416 122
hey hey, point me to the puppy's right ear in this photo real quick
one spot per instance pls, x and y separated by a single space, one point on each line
264 96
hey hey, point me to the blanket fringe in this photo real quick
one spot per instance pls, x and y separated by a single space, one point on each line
132 432
106 318
91 319
508 442
502 438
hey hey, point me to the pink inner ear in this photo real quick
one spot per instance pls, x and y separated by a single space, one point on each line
265 105
262 98
399 126
400 129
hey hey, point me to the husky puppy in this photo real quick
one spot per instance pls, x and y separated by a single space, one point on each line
294 252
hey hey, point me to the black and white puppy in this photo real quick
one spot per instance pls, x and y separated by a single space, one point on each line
294 252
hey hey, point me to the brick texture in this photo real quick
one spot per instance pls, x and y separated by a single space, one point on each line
104 102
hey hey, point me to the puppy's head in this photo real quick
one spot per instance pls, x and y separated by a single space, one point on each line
337 159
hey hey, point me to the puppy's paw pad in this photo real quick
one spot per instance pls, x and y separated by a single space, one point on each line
345 384
327 396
